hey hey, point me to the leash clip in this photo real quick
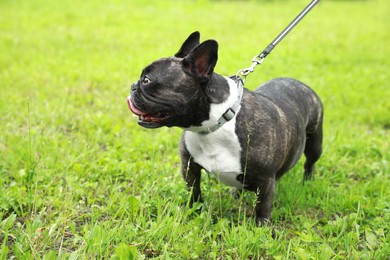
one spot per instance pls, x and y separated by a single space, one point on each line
260 58
257 60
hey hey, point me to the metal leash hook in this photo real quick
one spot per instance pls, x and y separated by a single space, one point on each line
258 59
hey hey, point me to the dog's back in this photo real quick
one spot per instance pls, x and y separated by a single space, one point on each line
283 117
302 108
292 96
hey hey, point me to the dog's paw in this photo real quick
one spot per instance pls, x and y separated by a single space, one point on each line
195 209
236 193
260 222
195 201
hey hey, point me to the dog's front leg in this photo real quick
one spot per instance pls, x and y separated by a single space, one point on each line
191 172
264 196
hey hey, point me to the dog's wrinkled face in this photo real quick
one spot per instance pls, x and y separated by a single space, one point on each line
161 95
170 88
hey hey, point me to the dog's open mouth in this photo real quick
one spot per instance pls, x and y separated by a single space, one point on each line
145 117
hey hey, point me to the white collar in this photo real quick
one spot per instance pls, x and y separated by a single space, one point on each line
230 113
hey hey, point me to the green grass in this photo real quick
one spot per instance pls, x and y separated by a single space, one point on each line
79 179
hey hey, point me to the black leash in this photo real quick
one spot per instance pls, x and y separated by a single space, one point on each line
240 77
258 59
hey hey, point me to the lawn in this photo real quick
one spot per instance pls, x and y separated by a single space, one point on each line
79 179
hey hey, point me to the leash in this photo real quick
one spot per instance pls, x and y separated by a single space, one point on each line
240 77
258 59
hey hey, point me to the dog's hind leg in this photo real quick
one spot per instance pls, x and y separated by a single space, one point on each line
313 150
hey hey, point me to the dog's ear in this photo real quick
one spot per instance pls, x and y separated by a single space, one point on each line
191 42
201 61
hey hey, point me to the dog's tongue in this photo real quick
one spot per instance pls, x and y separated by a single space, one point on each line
133 108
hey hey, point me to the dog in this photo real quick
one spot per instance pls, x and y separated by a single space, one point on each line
247 139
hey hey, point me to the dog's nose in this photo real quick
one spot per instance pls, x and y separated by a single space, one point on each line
134 87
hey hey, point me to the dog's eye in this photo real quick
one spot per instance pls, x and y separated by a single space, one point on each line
146 80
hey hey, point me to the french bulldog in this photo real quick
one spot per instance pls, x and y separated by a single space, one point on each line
247 139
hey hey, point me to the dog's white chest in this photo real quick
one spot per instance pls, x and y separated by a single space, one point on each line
217 152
